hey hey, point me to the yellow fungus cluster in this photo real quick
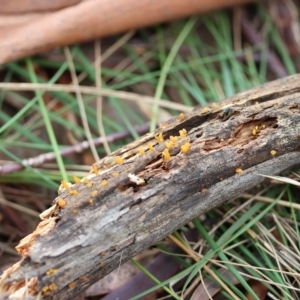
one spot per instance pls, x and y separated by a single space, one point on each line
182 133
174 139
163 125
141 151
185 148
51 271
119 160
76 179
72 285
166 154
238 170
169 145
150 146
103 183
257 129
181 117
159 138
94 193
65 184
91 201
273 152
74 192
205 110
61 203
115 174
95 170
215 105
254 131
48 288
74 211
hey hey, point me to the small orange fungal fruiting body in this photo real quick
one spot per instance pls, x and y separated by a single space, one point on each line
85 180
119 160
51 271
94 193
181 117
61 203
159 138
163 125
254 131
273 152
169 145
203 190
90 184
115 174
173 139
166 154
103 183
141 151
91 201
52 287
76 179
72 285
150 146
102 263
74 192
238 170
182 133
205 110
74 211
215 105
65 184
84 278
95 170
185 148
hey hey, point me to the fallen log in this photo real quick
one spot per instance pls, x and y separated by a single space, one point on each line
141 193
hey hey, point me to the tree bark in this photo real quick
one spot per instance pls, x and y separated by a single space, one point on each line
108 219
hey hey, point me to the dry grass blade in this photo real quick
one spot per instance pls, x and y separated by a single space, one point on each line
94 91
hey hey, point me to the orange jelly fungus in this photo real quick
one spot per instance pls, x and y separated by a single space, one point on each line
185 148
61 203
118 160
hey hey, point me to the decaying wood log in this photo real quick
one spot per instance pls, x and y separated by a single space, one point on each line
112 215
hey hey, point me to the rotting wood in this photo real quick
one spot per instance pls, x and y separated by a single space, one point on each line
93 226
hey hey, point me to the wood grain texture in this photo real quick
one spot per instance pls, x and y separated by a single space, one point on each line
125 218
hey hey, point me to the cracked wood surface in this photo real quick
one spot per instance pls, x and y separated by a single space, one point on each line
95 224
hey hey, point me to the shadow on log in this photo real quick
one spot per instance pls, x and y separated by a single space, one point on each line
144 191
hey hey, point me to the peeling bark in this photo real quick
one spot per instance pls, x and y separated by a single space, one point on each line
93 226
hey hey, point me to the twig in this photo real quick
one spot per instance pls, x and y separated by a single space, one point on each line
46 157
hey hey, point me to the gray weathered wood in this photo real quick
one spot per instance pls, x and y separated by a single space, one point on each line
125 218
